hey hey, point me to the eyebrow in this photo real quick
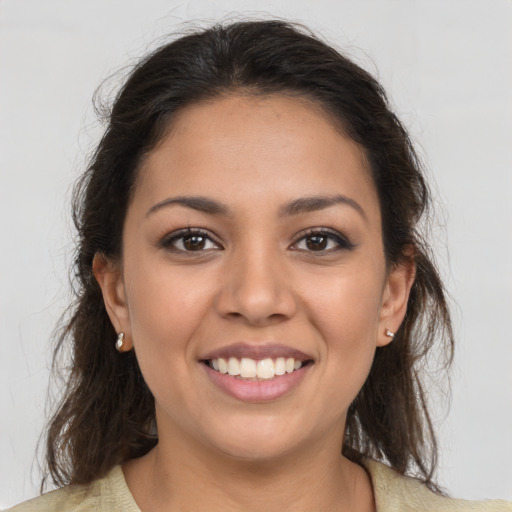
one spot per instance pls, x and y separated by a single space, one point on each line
202 204
296 207
314 203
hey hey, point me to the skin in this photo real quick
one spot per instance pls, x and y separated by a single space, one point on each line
258 276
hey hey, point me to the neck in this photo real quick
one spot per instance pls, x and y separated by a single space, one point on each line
180 476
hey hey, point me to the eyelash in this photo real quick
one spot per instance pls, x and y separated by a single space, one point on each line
342 243
169 241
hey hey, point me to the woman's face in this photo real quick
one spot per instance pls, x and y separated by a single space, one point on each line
253 244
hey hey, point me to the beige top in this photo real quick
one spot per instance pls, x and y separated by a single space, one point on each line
393 493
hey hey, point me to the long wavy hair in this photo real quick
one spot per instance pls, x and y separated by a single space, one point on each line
107 414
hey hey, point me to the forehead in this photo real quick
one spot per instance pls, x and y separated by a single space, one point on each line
247 148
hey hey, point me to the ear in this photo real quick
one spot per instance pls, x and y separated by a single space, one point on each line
394 299
109 276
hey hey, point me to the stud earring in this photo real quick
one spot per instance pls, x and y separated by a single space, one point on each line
390 334
120 342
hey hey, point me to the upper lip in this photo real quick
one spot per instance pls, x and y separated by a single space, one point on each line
258 352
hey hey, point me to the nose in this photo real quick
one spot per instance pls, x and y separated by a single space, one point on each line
256 288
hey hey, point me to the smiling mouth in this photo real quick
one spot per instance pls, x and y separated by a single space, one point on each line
256 369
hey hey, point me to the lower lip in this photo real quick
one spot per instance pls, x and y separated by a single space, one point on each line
257 391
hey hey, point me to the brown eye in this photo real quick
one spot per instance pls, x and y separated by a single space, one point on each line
194 242
189 241
317 242
322 241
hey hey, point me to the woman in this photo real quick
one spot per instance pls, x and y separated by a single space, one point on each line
255 298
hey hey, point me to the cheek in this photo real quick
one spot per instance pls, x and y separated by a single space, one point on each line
345 313
166 310
166 306
346 304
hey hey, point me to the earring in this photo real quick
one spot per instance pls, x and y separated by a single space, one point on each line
390 334
120 342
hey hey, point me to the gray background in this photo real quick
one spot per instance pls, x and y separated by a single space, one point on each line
447 67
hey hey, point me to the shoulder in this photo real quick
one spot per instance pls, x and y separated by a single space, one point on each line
65 499
397 493
106 494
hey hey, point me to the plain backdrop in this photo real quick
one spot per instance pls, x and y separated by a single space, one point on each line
447 67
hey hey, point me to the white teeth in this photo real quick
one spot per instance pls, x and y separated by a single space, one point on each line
248 367
234 366
280 367
251 368
265 369
223 365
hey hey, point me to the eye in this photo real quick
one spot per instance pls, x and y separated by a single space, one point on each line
321 240
190 240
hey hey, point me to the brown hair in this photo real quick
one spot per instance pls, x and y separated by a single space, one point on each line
106 415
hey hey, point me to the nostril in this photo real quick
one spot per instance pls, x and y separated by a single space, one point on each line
257 298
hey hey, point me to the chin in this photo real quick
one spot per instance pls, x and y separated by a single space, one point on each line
258 441
256 452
